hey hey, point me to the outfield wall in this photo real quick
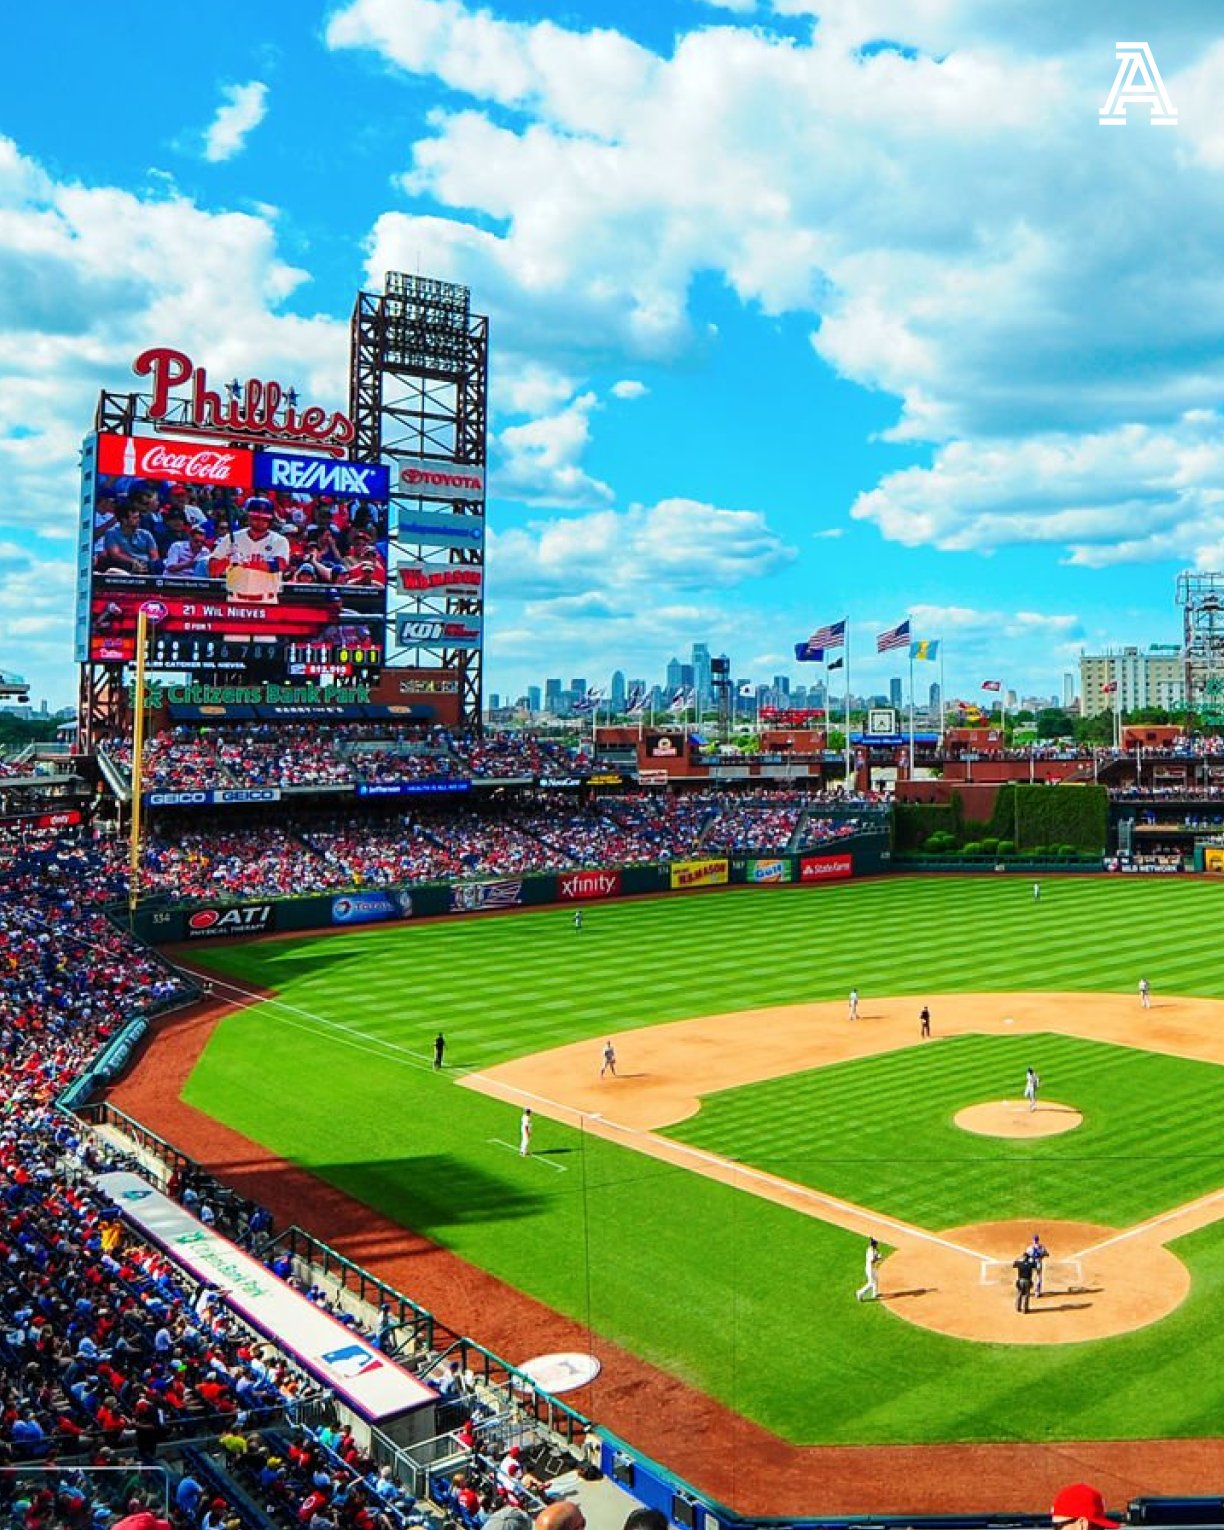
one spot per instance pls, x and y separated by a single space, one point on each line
162 923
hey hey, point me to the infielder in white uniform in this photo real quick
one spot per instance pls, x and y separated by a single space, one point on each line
1145 993
1031 1085
870 1289
854 1004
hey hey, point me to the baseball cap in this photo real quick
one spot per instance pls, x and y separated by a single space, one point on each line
1079 1501
258 504
508 1518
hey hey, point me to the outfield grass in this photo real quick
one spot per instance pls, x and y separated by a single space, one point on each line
744 1299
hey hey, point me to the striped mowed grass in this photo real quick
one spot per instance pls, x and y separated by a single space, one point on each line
746 1300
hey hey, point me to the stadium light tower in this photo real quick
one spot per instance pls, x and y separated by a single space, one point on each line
1201 596
418 396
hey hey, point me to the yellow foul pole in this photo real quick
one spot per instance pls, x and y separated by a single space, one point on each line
138 730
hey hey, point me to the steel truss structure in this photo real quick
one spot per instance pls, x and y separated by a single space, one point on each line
418 393
1201 596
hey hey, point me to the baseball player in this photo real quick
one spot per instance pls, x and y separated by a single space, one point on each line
577 918
609 1060
1038 1253
525 1133
1145 993
870 1289
1031 1085
924 1017
854 1004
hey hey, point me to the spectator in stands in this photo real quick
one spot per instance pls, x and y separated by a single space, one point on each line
1079 1506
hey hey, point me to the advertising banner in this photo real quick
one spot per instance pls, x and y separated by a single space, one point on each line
441 528
168 461
583 885
440 786
1213 859
369 1382
65 818
229 796
440 478
322 475
435 579
371 907
211 923
711 873
439 631
825 868
768 871
475 897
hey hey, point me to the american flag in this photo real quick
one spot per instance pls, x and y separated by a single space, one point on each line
832 636
895 637
992 685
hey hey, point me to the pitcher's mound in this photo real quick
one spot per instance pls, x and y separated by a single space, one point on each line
1013 1118
1096 1285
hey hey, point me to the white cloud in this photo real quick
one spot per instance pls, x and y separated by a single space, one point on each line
1130 494
242 109
629 388
540 463
1012 276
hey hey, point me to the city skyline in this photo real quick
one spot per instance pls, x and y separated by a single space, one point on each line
787 325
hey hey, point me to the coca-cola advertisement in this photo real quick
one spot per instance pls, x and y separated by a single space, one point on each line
289 582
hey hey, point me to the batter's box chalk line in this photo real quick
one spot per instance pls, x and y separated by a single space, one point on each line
1062 1273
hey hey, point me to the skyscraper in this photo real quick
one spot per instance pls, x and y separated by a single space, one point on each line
616 694
552 696
894 692
701 673
674 675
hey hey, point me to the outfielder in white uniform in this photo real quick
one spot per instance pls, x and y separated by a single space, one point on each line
525 1134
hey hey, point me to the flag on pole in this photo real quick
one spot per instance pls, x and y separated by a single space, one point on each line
831 636
636 700
895 637
992 685
590 701
680 701
924 648
807 654
837 663
1112 686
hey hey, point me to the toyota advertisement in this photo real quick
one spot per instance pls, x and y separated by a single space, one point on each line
265 561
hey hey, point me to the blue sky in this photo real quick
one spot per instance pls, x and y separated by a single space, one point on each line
797 311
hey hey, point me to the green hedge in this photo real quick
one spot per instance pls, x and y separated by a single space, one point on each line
1059 820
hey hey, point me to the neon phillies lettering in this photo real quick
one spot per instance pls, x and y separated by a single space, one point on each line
259 411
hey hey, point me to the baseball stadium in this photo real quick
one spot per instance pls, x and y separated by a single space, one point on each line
411 1121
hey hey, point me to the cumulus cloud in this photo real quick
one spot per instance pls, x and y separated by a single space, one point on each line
659 551
1131 494
629 388
1020 281
242 109
540 460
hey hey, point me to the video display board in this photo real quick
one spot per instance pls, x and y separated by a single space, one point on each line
247 560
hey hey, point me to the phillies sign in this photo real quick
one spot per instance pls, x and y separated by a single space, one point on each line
174 461
251 411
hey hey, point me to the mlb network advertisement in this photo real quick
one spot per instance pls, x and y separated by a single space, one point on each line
239 557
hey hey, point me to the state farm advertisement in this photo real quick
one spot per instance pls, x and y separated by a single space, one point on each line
168 461
584 885
713 873
825 868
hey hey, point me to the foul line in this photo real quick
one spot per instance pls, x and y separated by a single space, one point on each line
1186 1209
548 1164
340 1032
730 1165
